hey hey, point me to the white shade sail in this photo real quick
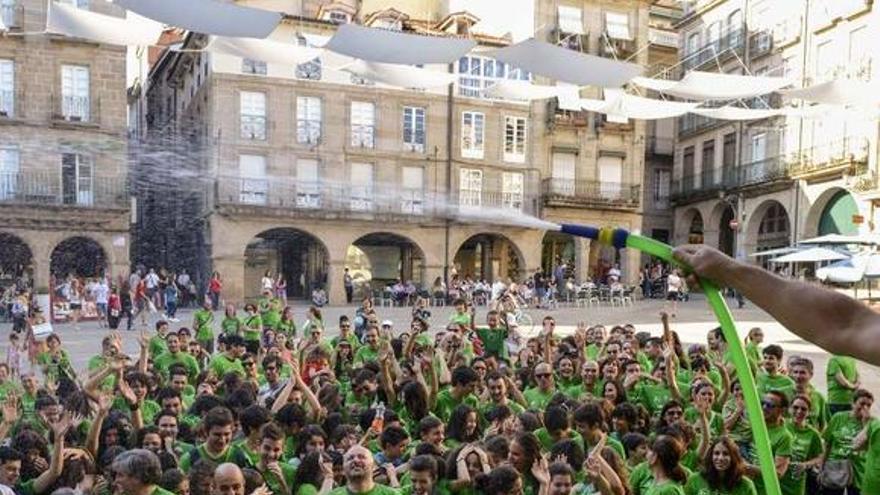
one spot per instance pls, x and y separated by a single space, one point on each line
524 90
737 113
637 107
844 272
811 255
698 85
133 30
208 16
838 92
394 47
402 76
774 252
562 64
273 52
869 239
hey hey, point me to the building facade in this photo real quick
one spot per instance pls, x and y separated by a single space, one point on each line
64 202
753 186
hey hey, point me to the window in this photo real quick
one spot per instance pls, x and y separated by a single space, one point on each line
617 26
81 4
478 73
308 119
759 147
713 35
515 139
470 187
610 176
414 129
75 103
413 196
472 134
735 29
10 163
571 20
249 66
254 185
662 179
7 88
729 151
512 190
687 167
308 185
338 17
860 54
361 186
708 163
76 179
563 173
363 124
8 13
693 43
253 115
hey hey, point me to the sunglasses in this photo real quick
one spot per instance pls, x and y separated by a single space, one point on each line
542 375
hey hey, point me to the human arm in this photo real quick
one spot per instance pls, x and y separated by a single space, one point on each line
94 436
144 343
327 471
841 380
831 320
45 480
515 393
10 414
705 440
385 377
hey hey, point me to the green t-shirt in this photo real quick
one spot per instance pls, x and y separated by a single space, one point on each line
289 473
157 345
842 429
837 393
221 364
609 442
287 327
697 485
460 319
871 478
819 416
741 431
158 490
365 354
716 423
350 338
271 318
242 455
547 440
199 452
493 341
376 490
253 328
231 325
777 382
538 399
806 444
203 321
753 353
446 403
780 443
652 395
515 407
665 488
164 361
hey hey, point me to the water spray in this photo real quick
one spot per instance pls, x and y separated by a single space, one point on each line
620 238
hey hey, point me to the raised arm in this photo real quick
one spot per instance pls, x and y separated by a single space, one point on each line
94 436
831 320
48 477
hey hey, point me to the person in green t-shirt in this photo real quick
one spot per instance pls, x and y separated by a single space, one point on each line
287 324
841 433
806 447
346 334
753 346
869 441
219 426
174 355
493 336
357 465
279 477
272 316
464 381
664 460
229 360
370 350
843 379
538 397
423 472
774 404
203 326
231 323
138 471
721 472
801 371
157 342
252 326
771 379
589 385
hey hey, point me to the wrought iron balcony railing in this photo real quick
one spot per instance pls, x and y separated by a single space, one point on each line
51 188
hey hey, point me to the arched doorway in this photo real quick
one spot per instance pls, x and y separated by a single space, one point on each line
774 231
837 216
78 257
381 259
16 260
557 248
726 235
490 257
299 257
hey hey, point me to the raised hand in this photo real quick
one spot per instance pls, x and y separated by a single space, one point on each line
541 471
262 490
10 409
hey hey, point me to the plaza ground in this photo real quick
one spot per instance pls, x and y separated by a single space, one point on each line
693 320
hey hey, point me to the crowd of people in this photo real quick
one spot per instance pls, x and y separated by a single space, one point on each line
254 402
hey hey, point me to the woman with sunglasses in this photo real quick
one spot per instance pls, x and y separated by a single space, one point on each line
806 449
722 472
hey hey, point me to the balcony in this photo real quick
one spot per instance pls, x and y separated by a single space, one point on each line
46 188
710 183
729 44
75 110
588 193
760 43
617 49
691 124
559 117
664 38
694 187
848 156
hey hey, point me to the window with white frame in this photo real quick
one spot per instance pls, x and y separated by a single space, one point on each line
308 119
472 134
477 73
77 179
414 129
662 180
10 163
361 180
693 43
412 196
617 26
563 173
512 190
571 19
75 102
253 115
254 184
470 187
308 183
7 88
759 147
250 66
610 176
8 13
363 124
515 139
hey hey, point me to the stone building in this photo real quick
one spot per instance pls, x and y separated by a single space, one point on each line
764 184
64 205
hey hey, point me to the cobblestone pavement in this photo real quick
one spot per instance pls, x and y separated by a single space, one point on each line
693 320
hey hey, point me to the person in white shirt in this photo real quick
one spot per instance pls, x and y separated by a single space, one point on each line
674 284
267 283
101 293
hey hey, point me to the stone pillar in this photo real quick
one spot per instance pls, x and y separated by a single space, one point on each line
431 274
489 255
335 287
629 265
231 271
581 259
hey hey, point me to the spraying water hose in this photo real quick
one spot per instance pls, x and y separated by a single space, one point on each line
620 239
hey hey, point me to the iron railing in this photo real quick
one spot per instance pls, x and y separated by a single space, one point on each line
732 41
846 152
49 188
556 190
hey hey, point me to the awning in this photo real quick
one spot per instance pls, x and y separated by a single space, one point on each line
133 30
698 85
774 252
208 16
395 47
566 65
844 272
637 107
811 255
526 91
402 76
273 52
868 239
737 113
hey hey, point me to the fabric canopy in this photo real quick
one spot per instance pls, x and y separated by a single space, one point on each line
637 107
566 65
80 23
273 52
838 92
698 85
524 90
394 47
737 113
811 255
844 239
403 76
846 271
208 16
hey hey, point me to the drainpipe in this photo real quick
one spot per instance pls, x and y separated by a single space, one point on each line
450 93
805 43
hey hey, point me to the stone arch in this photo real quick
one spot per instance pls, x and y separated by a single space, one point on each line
490 255
813 225
719 220
378 259
300 257
79 256
16 258
769 227
691 227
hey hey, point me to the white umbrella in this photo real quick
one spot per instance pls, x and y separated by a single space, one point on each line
811 255
844 239
847 271
774 252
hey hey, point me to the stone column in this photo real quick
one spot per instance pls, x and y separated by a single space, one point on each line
629 265
231 269
581 259
335 288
